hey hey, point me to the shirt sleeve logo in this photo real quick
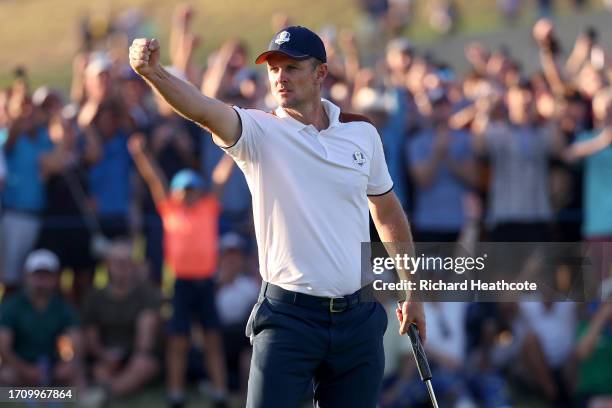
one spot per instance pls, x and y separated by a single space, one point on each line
282 37
359 158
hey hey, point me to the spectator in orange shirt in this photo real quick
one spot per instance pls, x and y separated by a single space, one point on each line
190 219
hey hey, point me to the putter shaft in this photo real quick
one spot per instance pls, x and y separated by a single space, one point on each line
434 401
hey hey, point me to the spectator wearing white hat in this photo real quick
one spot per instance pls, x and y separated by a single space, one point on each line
40 339
443 168
175 144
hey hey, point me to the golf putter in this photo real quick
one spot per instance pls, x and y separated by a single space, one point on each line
421 361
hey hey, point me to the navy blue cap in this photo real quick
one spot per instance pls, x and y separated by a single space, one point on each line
296 42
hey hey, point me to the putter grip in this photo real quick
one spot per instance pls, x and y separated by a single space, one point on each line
419 353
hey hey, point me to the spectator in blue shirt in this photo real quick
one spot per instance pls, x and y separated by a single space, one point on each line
110 178
24 191
594 147
443 168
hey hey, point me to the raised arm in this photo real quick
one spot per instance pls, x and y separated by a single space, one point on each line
184 98
221 173
543 33
183 42
580 150
147 168
580 54
587 343
213 78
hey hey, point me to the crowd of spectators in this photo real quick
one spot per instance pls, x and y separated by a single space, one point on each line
110 178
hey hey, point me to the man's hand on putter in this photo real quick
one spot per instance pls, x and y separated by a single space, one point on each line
411 312
144 56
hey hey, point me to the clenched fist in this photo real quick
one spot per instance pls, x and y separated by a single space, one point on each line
144 56
543 30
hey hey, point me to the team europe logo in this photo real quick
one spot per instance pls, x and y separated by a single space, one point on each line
282 37
359 158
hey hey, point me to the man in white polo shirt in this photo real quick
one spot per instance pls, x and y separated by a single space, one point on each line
313 172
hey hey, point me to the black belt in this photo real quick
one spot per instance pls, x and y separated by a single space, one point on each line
332 304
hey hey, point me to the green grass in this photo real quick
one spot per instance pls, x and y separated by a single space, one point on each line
42 34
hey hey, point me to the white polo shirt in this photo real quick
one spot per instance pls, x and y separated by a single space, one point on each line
309 192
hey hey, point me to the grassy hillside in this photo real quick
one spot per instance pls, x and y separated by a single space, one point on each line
42 34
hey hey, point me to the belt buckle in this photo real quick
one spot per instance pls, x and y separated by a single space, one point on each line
333 301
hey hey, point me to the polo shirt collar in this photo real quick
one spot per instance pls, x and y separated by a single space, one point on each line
332 111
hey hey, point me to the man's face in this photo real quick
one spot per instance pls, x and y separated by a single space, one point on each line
188 196
232 262
399 60
441 112
121 267
520 103
106 122
98 86
294 82
41 283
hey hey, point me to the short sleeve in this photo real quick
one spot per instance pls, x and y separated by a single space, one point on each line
379 181
245 150
584 136
164 207
211 205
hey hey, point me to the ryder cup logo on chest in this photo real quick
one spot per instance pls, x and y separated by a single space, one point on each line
282 37
359 158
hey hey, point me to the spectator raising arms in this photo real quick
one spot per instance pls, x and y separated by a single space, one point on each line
190 218
443 168
24 198
64 169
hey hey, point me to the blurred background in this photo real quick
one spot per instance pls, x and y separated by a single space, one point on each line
496 120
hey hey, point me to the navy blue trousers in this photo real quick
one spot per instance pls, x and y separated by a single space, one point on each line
295 347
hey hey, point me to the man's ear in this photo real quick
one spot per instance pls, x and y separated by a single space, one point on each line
321 72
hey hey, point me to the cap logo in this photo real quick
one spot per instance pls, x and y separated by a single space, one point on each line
282 37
